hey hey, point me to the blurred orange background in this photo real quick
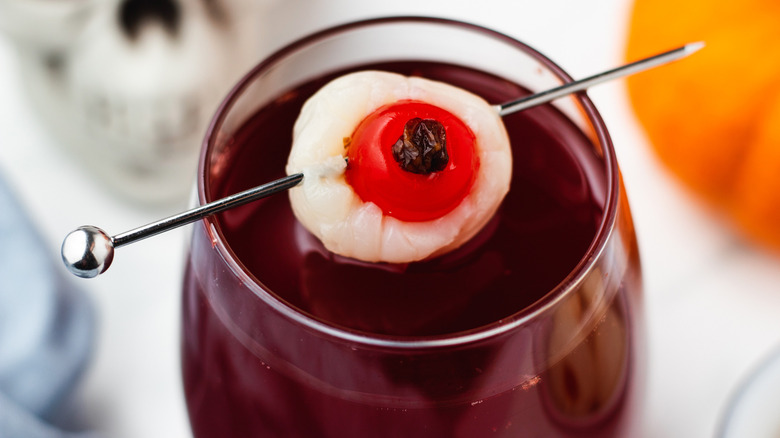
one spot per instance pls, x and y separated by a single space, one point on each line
714 119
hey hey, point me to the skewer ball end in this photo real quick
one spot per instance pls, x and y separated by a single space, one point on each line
87 251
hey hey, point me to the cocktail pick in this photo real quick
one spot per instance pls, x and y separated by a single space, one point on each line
88 250
582 84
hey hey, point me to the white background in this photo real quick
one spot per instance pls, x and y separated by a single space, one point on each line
712 300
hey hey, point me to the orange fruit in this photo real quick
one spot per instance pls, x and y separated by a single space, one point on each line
714 118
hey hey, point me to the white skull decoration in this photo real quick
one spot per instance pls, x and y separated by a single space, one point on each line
130 85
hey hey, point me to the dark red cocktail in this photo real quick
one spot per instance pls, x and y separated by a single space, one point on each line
533 328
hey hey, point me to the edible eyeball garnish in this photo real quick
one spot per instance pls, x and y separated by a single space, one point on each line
397 169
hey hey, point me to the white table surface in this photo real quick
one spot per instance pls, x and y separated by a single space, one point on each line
711 299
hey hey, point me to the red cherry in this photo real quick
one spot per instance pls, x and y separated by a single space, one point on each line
376 177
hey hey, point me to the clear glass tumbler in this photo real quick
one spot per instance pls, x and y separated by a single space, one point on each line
534 328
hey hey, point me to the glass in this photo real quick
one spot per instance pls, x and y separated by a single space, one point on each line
362 356
752 409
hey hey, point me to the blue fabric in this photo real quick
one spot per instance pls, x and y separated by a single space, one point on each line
46 330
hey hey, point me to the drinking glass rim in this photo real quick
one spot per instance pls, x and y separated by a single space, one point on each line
760 375
575 277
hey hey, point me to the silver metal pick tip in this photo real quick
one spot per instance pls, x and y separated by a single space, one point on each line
693 47
87 251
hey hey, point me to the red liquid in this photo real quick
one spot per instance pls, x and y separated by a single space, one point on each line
244 376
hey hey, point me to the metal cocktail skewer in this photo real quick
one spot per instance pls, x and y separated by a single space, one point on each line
582 84
88 250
